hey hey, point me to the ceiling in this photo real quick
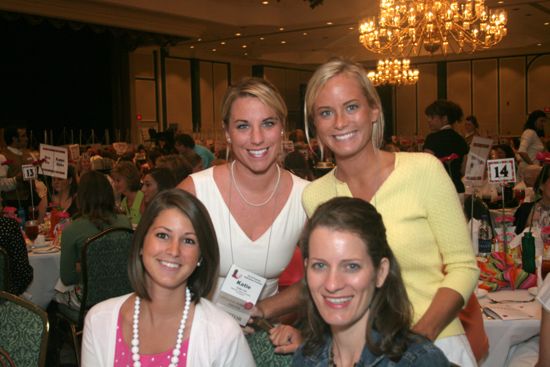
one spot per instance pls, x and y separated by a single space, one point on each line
280 32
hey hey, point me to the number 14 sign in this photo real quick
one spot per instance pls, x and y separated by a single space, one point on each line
501 170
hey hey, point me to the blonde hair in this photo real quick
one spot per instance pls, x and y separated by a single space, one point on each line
259 88
328 71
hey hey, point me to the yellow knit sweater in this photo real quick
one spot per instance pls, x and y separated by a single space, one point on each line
425 227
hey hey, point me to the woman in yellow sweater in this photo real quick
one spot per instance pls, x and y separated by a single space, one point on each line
425 225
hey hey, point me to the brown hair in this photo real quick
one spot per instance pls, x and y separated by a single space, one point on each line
390 311
96 199
129 172
201 281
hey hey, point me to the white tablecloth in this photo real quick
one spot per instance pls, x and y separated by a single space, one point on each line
504 335
46 273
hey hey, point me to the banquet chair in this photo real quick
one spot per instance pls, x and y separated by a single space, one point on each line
23 331
104 262
4 270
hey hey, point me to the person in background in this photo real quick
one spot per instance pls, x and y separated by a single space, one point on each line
173 266
358 312
430 241
254 204
17 154
536 213
127 183
444 140
194 160
185 142
531 139
471 129
96 202
64 192
155 181
177 164
20 271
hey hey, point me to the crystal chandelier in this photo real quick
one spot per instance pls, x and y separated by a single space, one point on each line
394 71
405 27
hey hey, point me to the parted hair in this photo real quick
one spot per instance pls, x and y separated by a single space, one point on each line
203 278
259 88
390 312
328 71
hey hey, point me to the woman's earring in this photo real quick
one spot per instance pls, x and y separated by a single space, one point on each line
199 262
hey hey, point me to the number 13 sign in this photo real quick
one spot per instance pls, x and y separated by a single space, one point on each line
501 170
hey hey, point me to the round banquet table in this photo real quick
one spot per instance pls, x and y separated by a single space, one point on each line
46 273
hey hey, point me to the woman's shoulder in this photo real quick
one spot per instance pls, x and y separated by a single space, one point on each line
416 161
107 307
423 353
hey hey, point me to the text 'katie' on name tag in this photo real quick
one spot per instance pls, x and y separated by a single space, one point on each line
240 292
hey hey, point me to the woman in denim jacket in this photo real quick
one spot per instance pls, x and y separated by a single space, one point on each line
358 312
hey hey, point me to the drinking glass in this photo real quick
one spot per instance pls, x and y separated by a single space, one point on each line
31 230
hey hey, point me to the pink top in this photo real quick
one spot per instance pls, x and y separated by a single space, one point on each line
123 354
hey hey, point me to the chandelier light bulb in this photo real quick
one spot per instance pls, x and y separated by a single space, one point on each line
394 72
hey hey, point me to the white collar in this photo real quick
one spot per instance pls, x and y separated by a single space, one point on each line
446 127
15 150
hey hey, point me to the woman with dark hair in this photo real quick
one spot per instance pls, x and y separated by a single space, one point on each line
530 141
444 140
155 181
358 312
127 182
64 192
173 266
430 240
96 202
537 213
471 127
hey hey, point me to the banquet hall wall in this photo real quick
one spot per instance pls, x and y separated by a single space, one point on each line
171 89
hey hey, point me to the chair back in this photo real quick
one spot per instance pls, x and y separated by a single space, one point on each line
23 331
105 267
5 359
4 270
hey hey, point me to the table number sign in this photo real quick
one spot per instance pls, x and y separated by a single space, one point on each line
56 160
239 293
30 171
501 170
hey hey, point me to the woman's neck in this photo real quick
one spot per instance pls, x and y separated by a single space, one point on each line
130 196
347 345
165 303
252 181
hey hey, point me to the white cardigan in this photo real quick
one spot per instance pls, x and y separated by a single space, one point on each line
216 339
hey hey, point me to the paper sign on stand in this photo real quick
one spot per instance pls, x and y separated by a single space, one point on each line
55 160
74 152
239 293
29 171
501 170
475 163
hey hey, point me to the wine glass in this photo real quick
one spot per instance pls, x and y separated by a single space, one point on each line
31 230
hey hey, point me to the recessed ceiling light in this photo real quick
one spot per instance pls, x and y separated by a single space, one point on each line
350 28
546 23
282 28
237 34
222 43
265 2
244 46
501 2
539 44
283 42
246 54
261 38
213 50
329 23
199 39
191 46
304 34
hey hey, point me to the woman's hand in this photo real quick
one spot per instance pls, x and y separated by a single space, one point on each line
285 338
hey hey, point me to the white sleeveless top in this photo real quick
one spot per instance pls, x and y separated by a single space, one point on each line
269 255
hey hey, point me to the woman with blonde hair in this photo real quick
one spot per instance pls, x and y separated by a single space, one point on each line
426 228
255 205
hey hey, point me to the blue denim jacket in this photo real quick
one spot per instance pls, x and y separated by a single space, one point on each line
422 353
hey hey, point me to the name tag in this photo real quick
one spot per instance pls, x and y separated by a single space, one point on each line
240 292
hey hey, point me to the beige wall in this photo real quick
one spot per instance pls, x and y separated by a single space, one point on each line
498 91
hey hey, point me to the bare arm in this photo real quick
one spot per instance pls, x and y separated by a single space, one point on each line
445 307
188 185
525 157
544 342
282 303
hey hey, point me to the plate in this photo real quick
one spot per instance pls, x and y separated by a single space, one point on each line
47 250
480 292
533 290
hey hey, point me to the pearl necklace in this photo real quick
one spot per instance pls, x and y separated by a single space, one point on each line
135 333
241 194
